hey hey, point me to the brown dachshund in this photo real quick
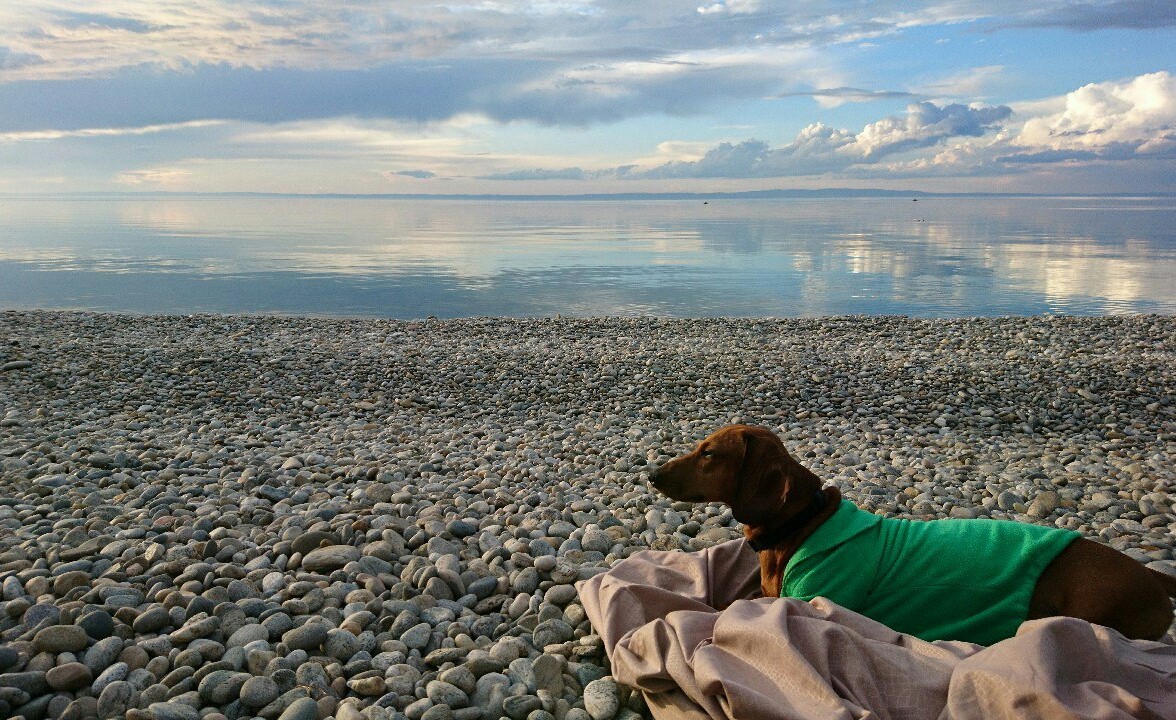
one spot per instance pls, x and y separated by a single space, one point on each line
781 504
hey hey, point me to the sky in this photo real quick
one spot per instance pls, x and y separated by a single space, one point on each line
587 96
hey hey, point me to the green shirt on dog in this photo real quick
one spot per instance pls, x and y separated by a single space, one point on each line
939 580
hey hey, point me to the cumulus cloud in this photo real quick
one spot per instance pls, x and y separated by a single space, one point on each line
1110 120
820 148
280 75
924 125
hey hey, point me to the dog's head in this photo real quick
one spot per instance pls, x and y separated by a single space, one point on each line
743 466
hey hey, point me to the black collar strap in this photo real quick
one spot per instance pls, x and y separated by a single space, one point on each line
798 521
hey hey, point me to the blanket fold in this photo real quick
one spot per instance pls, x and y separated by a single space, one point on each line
658 614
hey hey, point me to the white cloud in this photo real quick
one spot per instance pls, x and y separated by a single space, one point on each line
735 7
973 83
820 148
164 177
36 135
381 87
1111 117
926 124
56 39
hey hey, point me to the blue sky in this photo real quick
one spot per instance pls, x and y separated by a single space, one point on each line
582 96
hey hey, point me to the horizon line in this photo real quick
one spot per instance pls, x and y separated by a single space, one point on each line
831 192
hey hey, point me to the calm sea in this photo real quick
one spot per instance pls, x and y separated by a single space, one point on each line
934 257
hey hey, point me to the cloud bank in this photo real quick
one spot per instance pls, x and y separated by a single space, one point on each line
816 149
1113 121
420 94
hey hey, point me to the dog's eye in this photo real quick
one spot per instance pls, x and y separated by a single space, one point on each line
706 453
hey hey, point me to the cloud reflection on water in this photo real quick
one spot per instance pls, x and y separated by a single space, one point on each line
944 257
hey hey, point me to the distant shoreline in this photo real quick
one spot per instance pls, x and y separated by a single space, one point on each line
816 194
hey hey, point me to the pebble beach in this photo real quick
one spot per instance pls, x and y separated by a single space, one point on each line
308 518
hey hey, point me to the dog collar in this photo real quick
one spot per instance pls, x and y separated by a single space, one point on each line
795 523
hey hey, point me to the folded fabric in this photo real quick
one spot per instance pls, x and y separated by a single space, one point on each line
688 631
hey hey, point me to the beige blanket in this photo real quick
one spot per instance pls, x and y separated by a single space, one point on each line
783 658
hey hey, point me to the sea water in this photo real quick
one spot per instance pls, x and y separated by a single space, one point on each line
934 256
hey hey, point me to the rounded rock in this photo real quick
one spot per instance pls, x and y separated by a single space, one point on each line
257 692
341 644
330 558
301 709
115 698
151 620
308 636
61 638
172 711
368 686
69 677
417 637
443 693
602 698
221 687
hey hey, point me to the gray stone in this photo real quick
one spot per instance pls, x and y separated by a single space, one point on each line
98 624
81 708
518 707
461 677
247 634
61 638
596 540
439 712
1043 504
221 687
172 711
153 619
115 699
341 644
443 693
257 692
300 709
526 581
560 594
8 658
552 632
548 673
602 698
417 637
41 611
308 636
114 673
1008 500
332 557
69 677
196 628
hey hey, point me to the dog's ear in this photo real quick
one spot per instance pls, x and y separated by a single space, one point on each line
762 479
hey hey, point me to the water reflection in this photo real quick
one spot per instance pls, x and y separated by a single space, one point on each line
945 257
